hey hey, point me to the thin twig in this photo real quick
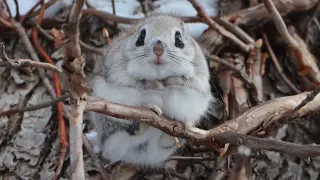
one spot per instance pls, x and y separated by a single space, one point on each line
48 4
281 26
8 9
249 17
83 44
236 30
308 99
25 40
87 47
24 17
241 169
74 69
215 26
20 63
278 66
316 22
257 144
94 157
35 107
62 128
310 20
193 158
299 53
6 23
243 76
174 173
17 9
114 11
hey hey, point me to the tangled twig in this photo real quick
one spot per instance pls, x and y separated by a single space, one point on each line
35 107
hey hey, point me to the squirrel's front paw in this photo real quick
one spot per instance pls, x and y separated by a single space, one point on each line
156 85
155 109
175 80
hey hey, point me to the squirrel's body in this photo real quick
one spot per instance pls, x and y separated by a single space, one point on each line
155 63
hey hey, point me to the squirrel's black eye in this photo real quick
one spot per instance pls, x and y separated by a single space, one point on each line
142 36
178 40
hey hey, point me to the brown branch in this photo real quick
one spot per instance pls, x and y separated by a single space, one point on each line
72 31
82 44
94 157
48 4
35 107
24 17
236 30
87 47
302 58
107 17
259 13
241 169
310 20
215 26
193 158
29 48
278 66
310 97
20 63
257 78
247 16
7 7
243 76
281 26
74 69
17 9
6 23
62 127
258 117
174 173
258 144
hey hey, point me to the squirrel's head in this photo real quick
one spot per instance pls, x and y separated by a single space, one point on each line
159 47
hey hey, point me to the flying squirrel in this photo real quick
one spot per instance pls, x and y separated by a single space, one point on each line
154 63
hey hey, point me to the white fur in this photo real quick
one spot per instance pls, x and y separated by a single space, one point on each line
120 146
92 137
119 82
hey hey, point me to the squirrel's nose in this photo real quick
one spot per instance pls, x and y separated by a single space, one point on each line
158 48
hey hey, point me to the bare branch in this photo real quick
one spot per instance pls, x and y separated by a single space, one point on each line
35 107
258 144
94 157
215 26
310 97
282 28
17 9
257 14
25 40
254 119
241 169
243 76
278 66
76 153
82 44
7 7
20 63
298 52
193 158
74 69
